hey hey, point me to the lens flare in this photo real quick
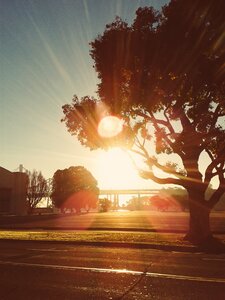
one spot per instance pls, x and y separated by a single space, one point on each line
110 126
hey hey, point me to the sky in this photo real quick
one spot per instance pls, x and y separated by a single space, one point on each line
44 61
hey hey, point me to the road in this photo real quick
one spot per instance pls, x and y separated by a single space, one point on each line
127 220
33 270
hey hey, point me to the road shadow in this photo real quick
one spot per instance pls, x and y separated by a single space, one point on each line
15 220
212 246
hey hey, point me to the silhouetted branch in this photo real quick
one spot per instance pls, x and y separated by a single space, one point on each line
209 174
156 123
216 115
151 175
214 199
152 161
171 129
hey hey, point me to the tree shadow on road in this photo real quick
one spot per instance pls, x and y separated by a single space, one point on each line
212 245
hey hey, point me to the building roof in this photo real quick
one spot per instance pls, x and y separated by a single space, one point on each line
3 170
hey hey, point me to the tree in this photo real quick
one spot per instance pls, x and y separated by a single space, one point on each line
104 205
159 202
74 188
136 203
177 196
164 77
37 189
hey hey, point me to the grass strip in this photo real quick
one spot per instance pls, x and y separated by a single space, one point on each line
95 236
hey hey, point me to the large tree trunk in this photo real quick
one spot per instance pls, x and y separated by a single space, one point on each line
199 224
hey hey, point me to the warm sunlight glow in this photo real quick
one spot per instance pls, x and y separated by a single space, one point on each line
110 126
115 170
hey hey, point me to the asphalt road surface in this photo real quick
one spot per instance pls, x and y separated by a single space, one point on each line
124 220
33 270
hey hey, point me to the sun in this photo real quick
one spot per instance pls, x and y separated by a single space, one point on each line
110 126
115 170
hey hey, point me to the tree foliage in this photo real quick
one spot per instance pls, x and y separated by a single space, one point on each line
74 188
37 189
137 203
104 205
164 77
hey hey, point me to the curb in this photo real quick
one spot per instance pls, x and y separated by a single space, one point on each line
69 228
130 229
191 249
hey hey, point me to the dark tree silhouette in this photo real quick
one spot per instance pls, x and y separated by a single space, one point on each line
164 77
74 188
37 189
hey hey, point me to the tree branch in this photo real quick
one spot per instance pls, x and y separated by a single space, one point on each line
156 123
214 199
170 127
185 122
214 165
216 115
152 161
151 175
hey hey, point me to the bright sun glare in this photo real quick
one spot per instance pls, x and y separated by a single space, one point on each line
116 170
110 126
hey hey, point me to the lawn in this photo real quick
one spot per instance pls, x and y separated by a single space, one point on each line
94 236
